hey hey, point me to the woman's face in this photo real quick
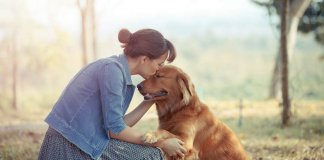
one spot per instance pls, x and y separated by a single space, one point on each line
150 66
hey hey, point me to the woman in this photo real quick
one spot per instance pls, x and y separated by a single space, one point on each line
89 122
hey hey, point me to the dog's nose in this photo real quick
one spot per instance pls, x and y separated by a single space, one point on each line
140 86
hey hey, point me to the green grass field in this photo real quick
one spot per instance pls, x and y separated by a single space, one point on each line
261 133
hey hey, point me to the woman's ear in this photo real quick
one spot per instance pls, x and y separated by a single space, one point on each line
142 59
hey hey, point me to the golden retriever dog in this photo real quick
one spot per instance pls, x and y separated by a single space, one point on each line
182 115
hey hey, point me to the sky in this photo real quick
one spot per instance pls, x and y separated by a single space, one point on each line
185 8
112 15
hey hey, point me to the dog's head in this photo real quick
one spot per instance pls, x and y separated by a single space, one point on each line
169 85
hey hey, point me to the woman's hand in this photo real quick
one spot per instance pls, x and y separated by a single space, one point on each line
173 147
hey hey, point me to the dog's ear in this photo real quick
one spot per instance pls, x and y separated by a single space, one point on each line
186 88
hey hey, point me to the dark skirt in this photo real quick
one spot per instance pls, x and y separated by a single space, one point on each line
55 146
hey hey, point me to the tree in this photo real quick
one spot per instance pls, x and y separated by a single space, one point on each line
88 23
284 62
296 12
11 28
83 12
93 28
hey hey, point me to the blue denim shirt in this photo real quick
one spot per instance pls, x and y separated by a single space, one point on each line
93 103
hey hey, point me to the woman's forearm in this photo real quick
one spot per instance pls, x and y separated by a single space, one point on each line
132 136
128 135
134 116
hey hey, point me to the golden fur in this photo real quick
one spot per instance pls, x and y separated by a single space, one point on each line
182 115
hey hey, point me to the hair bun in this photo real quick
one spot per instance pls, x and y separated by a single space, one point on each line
124 35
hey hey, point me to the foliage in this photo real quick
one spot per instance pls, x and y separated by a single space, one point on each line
312 20
221 71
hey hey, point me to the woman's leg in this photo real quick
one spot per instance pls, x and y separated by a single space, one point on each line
123 150
56 147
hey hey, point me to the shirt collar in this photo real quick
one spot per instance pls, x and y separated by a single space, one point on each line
124 62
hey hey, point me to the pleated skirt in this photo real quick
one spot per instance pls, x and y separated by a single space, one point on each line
57 147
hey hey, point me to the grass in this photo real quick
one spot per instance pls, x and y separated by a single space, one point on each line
20 144
261 133
263 136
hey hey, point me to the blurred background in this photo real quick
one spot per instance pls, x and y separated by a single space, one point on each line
228 47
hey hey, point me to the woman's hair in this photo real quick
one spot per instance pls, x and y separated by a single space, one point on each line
146 42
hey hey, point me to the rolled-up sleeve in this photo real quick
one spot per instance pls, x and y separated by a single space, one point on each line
111 84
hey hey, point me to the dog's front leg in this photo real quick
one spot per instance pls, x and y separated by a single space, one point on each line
188 139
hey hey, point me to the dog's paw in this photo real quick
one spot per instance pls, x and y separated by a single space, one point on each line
149 137
177 158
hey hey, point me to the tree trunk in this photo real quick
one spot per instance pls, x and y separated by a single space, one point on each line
298 7
284 61
93 28
13 52
274 86
83 11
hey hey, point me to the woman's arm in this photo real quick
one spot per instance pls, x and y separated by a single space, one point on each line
134 116
171 146
128 135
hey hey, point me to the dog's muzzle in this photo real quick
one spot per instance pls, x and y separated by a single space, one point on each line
150 96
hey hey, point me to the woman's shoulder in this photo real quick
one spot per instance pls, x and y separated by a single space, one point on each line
110 61
114 62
